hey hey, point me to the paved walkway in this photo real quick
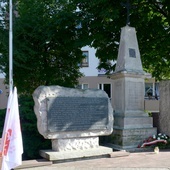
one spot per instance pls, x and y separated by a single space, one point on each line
133 161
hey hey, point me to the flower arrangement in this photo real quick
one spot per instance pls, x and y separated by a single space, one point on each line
160 140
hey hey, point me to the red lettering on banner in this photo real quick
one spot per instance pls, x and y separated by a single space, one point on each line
7 141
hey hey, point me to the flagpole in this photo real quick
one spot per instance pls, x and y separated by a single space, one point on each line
10 48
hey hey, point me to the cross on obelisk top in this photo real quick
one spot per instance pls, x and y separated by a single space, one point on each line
128 7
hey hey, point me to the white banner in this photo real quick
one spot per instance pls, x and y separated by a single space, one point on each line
11 144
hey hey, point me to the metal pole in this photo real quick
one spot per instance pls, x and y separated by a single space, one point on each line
128 13
10 48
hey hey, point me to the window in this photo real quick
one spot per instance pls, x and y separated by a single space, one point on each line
151 90
83 86
106 88
85 60
148 89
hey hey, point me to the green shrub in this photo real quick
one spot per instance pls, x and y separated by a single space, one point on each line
32 140
2 119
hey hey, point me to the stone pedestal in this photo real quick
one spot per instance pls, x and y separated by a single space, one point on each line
131 124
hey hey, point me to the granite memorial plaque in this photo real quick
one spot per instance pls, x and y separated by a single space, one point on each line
69 113
132 53
76 113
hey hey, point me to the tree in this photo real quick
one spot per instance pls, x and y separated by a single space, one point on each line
154 37
104 18
47 51
47 44
48 37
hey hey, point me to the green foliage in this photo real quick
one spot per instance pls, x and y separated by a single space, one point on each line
32 140
163 137
2 116
47 45
48 36
154 42
149 113
164 145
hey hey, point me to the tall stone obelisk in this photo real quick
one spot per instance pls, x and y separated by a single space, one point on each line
131 124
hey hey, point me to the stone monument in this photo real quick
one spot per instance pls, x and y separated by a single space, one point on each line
164 115
131 124
73 120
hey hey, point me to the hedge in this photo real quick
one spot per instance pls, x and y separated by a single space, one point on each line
32 140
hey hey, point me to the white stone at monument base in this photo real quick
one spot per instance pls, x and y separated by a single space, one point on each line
75 144
54 156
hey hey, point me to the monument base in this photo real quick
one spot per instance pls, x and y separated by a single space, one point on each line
126 139
55 157
117 148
